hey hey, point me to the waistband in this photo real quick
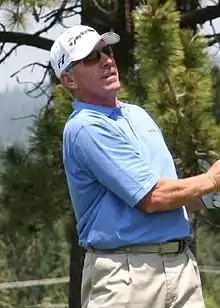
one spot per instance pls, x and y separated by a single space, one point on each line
171 247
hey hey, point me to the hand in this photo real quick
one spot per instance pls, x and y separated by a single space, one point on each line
213 172
211 201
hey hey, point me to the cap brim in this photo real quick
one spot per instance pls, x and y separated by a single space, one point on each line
109 38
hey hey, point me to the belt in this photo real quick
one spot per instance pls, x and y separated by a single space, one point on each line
163 248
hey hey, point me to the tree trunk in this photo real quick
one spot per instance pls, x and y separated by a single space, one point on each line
118 21
76 265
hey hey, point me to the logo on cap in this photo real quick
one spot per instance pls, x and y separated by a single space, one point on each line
60 62
79 36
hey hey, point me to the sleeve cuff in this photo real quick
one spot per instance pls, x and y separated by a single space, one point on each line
143 191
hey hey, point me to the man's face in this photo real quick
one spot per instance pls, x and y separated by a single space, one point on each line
96 77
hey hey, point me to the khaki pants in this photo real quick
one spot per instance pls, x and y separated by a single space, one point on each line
131 280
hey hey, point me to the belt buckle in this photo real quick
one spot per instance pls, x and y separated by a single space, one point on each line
128 249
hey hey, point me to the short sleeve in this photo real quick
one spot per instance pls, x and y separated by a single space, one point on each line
114 162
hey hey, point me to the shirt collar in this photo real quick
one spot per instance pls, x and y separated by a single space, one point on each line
78 105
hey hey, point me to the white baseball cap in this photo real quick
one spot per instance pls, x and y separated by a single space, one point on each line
75 44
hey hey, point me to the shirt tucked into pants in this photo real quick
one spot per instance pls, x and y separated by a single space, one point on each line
142 280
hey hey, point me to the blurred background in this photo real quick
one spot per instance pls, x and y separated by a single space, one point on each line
169 63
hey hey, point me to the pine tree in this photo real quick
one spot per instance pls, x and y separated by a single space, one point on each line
174 69
37 208
172 80
176 72
216 95
6 274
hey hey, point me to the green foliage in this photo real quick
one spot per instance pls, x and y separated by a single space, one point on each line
172 79
216 92
37 254
35 207
46 197
175 71
208 242
5 275
16 14
157 34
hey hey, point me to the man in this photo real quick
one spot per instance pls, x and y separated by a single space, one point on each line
128 202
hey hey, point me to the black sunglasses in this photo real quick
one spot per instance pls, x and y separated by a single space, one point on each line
94 57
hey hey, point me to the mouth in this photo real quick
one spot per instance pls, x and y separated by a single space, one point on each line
109 74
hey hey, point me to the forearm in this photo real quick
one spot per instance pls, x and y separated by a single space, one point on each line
170 194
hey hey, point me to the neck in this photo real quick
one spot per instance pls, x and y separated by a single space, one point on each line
101 101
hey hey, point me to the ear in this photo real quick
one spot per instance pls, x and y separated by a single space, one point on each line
69 81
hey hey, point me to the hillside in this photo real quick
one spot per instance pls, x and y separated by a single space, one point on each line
15 109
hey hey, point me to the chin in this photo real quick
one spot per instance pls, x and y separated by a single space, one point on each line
115 86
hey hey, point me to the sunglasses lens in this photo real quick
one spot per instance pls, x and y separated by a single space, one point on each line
107 51
92 58
95 55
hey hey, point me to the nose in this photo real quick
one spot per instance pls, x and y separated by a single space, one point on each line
106 60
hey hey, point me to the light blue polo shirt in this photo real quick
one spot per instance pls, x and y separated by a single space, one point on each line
113 157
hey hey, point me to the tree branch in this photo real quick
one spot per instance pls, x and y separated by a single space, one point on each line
57 17
24 117
194 17
27 39
32 65
71 9
38 86
7 54
103 10
216 39
200 16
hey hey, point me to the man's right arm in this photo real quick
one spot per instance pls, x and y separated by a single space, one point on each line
169 194
115 163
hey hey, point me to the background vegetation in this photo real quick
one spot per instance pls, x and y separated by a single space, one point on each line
167 70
